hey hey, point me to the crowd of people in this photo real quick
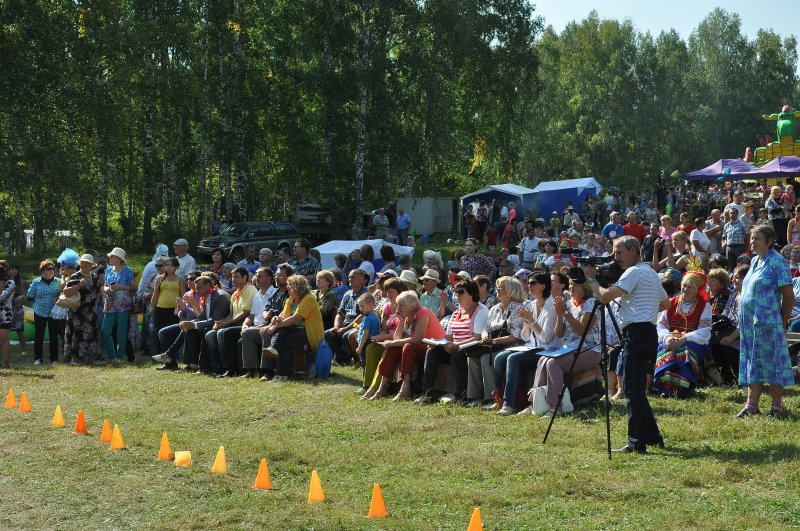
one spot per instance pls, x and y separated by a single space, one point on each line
710 282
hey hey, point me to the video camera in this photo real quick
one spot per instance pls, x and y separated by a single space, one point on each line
608 271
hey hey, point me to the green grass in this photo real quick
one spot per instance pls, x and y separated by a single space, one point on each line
434 463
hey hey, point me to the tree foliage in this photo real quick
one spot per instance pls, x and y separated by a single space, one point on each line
134 120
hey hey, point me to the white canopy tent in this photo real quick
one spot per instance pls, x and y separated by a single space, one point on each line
328 250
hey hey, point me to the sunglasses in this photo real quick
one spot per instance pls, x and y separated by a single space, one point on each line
50 268
532 282
460 292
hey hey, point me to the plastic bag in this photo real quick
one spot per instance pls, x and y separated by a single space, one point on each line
324 359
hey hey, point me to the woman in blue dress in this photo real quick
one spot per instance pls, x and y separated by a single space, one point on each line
764 308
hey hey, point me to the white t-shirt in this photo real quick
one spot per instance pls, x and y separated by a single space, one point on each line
259 303
187 264
644 294
529 247
701 238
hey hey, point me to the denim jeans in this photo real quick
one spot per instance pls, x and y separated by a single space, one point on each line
641 342
508 366
171 340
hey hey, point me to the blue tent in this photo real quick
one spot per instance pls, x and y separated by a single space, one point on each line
503 193
552 196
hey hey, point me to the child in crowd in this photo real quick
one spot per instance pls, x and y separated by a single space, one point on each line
762 217
787 200
555 222
369 326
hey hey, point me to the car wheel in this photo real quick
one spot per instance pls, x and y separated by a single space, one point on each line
236 256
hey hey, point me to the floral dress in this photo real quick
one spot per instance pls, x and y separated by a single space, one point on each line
764 356
18 322
82 335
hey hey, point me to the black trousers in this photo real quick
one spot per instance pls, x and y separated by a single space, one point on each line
286 341
641 344
39 324
457 360
163 317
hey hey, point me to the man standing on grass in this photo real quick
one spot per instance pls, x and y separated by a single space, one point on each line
641 297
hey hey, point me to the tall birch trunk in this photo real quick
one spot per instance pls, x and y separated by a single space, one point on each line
361 148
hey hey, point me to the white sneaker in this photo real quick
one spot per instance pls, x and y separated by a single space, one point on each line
448 398
550 413
37 362
506 410
278 379
162 358
527 411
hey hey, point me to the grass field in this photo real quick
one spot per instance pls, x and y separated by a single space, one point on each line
434 463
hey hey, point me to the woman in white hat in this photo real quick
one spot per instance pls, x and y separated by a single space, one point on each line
82 333
119 287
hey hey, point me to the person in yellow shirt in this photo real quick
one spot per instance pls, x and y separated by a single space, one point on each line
223 339
298 327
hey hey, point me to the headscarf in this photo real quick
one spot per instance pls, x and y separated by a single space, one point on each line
162 251
699 280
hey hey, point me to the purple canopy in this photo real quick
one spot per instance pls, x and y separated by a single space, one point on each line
739 169
779 167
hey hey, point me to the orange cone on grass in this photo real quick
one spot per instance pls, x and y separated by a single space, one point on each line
220 465
24 405
80 424
262 479
117 443
165 450
377 509
105 434
315 492
11 400
58 418
475 523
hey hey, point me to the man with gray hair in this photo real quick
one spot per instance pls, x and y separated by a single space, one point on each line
614 228
640 297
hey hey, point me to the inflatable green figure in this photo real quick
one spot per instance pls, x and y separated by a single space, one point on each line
785 120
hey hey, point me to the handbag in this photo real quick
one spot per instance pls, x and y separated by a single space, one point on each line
70 303
538 397
721 327
324 359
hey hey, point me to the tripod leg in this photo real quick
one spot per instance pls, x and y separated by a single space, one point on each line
574 360
604 366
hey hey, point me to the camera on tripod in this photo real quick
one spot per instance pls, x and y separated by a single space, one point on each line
608 271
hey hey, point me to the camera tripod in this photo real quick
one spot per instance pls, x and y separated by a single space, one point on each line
604 359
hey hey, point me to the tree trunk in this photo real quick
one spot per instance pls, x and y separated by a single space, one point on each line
327 113
203 195
19 229
224 149
361 148
148 174
239 159
102 194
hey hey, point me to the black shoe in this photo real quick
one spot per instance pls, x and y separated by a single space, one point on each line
628 449
746 413
168 367
658 442
774 414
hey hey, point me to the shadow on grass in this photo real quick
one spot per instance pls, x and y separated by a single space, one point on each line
336 379
25 373
769 453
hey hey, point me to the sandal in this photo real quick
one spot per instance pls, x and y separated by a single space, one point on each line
369 394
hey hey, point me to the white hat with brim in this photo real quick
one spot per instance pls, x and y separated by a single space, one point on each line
118 252
430 274
87 258
409 278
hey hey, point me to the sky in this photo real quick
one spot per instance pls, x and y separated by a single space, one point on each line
682 15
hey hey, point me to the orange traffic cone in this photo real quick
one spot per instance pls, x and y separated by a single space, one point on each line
165 451
11 401
377 509
58 418
116 439
220 466
24 405
315 493
475 523
262 479
105 434
80 424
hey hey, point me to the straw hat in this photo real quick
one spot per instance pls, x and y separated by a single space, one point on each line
431 274
409 278
119 252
